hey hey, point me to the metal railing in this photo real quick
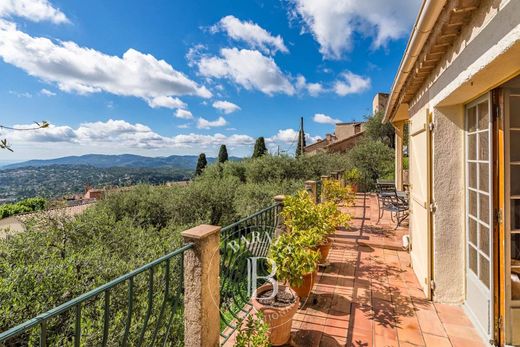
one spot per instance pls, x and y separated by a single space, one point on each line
249 237
143 305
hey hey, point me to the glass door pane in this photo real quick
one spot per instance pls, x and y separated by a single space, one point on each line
514 191
479 209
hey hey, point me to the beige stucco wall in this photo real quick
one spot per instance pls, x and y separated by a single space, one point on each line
344 131
448 197
486 54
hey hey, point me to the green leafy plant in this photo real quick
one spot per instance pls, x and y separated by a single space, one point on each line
302 215
24 206
353 176
293 259
334 191
254 333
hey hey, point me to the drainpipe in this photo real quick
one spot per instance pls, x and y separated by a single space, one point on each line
428 15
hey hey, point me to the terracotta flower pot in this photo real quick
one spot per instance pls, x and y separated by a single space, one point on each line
279 319
305 289
354 188
324 250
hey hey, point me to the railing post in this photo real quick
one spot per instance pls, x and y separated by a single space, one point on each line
280 227
202 287
324 178
341 178
312 188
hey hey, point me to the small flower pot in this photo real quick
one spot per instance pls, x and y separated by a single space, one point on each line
324 250
305 289
279 319
354 188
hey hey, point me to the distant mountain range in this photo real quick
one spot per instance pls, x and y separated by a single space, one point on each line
122 160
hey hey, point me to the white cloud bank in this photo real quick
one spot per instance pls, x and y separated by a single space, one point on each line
83 70
350 83
183 114
248 68
34 10
334 22
226 106
289 136
251 33
120 134
324 119
203 123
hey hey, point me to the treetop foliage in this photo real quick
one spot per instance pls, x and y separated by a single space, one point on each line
260 148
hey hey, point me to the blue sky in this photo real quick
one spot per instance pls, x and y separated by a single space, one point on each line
180 77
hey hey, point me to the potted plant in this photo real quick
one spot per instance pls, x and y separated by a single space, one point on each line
296 263
353 178
335 192
253 332
317 240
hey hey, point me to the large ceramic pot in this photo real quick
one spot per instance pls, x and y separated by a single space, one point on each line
325 250
305 289
279 319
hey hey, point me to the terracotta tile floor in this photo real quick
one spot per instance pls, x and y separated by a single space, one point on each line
369 295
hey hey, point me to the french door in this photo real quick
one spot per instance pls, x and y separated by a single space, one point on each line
479 214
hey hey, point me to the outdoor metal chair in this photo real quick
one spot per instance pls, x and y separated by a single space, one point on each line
389 199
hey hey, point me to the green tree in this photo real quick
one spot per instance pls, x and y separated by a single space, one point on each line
377 131
223 154
301 140
374 159
260 148
202 162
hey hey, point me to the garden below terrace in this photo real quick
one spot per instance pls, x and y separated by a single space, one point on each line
369 295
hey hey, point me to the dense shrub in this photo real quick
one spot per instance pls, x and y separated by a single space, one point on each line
24 206
60 258
374 159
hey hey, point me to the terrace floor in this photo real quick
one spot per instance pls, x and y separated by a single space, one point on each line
369 295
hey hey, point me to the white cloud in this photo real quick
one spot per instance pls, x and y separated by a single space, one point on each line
350 83
34 10
324 119
314 89
119 134
203 123
47 92
183 126
166 101
333 23
20 94
83 70
248 68
183 114
288 136
226 106
251 33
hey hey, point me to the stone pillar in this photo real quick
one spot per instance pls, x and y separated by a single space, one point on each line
399 133
341 178
280 227
324 178
312 189
202 287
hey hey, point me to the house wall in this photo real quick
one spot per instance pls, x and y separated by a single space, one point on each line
486 54
344 131
449 199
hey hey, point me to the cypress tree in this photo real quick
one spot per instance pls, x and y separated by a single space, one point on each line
260 148
201 164
301 139
222 154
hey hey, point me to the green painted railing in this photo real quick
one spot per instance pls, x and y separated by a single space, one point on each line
249 237
144 306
